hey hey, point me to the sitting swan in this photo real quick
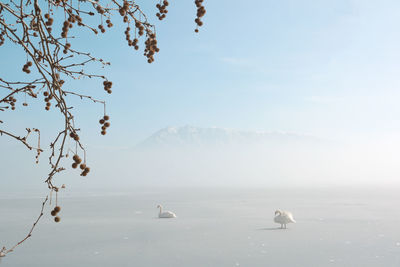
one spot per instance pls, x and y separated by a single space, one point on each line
283 218
165 214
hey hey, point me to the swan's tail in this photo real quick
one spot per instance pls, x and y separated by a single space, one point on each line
290 216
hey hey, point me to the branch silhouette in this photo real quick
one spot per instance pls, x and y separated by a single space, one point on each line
42 30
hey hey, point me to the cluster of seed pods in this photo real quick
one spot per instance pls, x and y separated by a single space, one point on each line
107 86
162 9
55 212
26 67
201 11
11 101
105 124
78 162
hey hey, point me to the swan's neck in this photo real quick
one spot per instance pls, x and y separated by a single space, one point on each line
160 209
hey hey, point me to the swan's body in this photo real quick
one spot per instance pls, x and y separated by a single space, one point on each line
2 252
165 214
283 218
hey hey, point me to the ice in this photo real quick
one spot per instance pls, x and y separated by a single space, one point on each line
216 227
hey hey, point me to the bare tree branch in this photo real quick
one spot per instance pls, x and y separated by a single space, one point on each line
42 32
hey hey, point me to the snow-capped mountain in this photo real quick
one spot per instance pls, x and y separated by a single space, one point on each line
189 135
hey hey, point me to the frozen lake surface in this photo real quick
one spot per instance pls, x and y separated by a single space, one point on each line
215 227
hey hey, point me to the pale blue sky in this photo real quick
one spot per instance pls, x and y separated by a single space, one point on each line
325 68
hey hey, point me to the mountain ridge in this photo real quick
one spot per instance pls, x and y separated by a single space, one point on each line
191 135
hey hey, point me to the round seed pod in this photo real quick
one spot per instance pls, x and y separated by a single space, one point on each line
57 209
57 219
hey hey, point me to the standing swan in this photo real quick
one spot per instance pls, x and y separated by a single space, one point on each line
283 218
165 214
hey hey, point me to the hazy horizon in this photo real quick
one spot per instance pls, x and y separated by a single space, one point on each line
191 156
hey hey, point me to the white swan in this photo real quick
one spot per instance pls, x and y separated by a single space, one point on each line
283 218
165 214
